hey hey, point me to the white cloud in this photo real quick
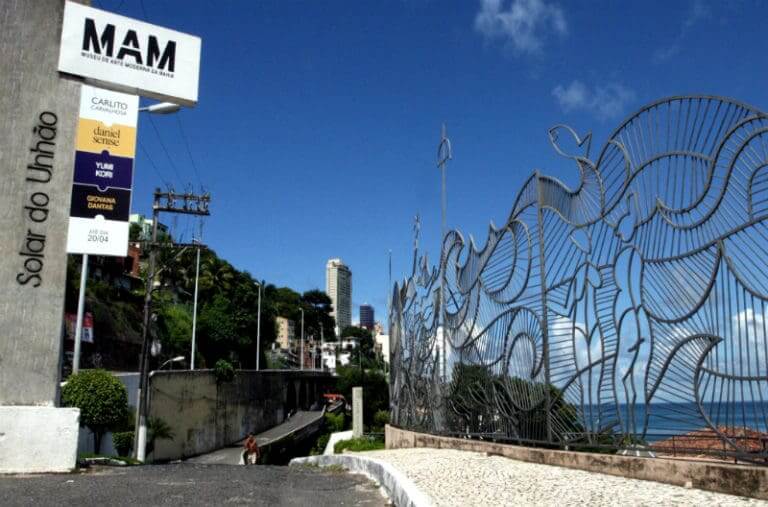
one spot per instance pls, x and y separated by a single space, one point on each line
697 12
523 26
664 54
605 102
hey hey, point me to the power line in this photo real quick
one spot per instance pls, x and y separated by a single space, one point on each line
189 151
181 129
165 150
152 163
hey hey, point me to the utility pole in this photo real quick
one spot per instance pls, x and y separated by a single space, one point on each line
194 312
190 204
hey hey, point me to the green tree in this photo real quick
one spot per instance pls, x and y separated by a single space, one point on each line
318 307
477 399
174 325
367 352
101 398
375 389
134 233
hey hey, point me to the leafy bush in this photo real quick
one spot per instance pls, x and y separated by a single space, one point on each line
319 447
157 429
375 389
123 442
359 445
101 398
334 422
380 419
223 371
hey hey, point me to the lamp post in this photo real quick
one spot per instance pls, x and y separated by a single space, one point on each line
301 364
80 311
258 326
171 361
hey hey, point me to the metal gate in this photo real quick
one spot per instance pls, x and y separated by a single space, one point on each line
628 313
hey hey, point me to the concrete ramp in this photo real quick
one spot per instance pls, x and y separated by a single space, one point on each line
295 425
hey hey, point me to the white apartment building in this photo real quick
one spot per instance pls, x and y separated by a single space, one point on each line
338 286
382 346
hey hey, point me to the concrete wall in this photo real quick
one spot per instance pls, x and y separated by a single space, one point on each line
206 416
38 439
724 478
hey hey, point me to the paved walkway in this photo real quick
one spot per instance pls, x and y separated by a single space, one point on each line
231 455
463 478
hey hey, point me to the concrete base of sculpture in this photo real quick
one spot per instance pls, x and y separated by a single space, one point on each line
38 439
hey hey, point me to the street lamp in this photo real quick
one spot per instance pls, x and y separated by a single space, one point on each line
176 359
161 108
258 326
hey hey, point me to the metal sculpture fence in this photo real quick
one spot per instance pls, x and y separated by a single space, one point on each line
627 313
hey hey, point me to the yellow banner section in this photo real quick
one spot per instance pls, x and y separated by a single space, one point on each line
95 137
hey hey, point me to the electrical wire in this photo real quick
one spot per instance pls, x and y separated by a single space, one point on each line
152 163
189 151
165 150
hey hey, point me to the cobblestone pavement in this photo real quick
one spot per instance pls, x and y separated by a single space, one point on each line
189 484
463 478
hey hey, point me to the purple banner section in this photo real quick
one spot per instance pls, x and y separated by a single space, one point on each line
103 170
88 201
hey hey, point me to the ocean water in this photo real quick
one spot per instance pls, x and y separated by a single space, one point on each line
667 419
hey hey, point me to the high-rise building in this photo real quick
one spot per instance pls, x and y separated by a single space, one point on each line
366 317
285 332
338 286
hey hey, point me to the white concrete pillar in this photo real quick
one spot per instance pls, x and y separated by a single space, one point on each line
39 110
357 412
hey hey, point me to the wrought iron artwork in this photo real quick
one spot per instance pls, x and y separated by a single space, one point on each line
627 313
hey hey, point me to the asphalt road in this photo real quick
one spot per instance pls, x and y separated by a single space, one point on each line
190 484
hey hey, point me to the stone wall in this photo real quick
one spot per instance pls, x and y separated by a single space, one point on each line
720 477
206 415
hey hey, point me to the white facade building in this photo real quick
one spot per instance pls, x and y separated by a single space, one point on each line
338 286
382 345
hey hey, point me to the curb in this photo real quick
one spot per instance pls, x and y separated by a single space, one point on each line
401 490
334 438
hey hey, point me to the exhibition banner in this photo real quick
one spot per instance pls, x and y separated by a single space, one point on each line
103 178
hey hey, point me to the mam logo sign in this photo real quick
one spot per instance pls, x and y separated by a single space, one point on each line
130 51
129 55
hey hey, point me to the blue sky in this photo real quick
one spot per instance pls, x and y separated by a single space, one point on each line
318 122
